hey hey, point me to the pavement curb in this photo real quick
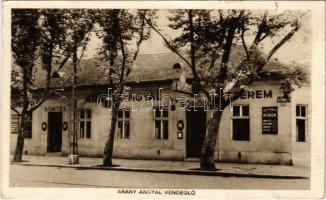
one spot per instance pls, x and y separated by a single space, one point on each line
169 171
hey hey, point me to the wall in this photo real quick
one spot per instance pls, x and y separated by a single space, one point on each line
37 145
262 148
301 150
142 143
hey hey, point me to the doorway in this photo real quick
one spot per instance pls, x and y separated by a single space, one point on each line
54 132
196 130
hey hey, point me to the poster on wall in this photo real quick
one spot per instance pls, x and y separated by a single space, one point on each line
14 124
269 120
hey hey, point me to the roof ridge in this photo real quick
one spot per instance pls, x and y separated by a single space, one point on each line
154 53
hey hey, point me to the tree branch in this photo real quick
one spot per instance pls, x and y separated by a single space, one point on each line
121 81
70 51
64 61
165 40
232 26
192 40
84 47
260 31
221 15
213 60
17 91
244 42
15 110
194 72
285 39
48 79
45 95
141 36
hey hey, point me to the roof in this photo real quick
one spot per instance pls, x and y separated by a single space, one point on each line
147 67
156 67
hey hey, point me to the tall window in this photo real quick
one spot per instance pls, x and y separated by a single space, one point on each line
161 121
301 124
28 126
240 123
123 130
85 123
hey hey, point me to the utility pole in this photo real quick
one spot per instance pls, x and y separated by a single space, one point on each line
73 139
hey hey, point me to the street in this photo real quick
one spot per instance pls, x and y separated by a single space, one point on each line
42 176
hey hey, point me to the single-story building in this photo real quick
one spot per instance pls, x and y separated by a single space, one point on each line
258 127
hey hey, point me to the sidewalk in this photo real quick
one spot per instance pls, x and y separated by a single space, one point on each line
175 167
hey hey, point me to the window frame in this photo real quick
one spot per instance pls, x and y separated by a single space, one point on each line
124 120
85 120
240 117
28 134
161 120
305 118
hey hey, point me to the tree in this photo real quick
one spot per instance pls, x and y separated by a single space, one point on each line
209 36
122 32
24 46
41 41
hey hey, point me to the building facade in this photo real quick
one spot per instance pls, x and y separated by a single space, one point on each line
256 128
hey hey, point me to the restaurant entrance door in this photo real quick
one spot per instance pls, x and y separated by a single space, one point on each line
54 132
196 130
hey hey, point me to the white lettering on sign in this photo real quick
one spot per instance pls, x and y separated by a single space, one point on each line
269 115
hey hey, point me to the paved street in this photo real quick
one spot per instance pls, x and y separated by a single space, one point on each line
45 176
175 167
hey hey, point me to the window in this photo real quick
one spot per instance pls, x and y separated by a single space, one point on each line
85 123
123 122
28 126
240 123
301 118
161 122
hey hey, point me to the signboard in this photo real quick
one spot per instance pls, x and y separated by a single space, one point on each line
138 96
282 101
182 87
55 108
14 124
269 120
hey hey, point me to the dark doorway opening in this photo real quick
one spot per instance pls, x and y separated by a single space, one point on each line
54 131
196 130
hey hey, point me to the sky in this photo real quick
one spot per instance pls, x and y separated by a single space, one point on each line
297 50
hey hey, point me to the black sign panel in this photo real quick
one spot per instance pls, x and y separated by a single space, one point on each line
269 120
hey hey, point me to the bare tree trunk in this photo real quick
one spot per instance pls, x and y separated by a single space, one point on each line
208 149
108 149
20 140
